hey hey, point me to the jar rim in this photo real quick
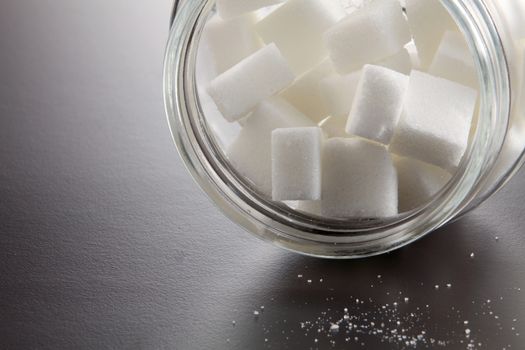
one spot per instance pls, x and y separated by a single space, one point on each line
302 233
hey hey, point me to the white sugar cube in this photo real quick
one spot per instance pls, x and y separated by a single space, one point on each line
338 92
453 61
512 13
228 9
359 180
370 34
428 21
378 104
334 127
309 207
414 56
205 70
400 62
357 4
224 131
237 91
296 163
418 182
454 45
435 123
306 95
250 153
230 41
297 28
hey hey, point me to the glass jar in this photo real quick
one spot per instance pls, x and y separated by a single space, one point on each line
495 32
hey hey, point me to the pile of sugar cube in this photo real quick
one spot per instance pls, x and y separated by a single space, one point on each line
343 109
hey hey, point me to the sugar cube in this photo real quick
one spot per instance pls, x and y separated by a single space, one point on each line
378 104
237 91
414 56
511 12
338 93
428 21
205 70
367 35
400 62
230 41
224 131
357 4
297 28
296 163
418 182
334 127
453 61
359 180
435 123
348 6
228 9
291 204
250 153
309 207
305 93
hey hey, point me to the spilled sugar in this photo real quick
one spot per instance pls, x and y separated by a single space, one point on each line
334 327
374 322
400 323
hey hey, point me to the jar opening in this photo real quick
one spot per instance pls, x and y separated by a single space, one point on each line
318 236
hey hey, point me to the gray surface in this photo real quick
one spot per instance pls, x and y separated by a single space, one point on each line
106 243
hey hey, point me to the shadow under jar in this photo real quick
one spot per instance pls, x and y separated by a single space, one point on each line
495 32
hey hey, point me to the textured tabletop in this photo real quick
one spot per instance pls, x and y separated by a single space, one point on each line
107 243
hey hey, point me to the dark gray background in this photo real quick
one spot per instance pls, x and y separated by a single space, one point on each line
106 242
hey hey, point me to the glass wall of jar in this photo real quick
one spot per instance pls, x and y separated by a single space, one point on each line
494 32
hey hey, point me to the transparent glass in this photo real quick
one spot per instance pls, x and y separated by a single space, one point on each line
495 153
